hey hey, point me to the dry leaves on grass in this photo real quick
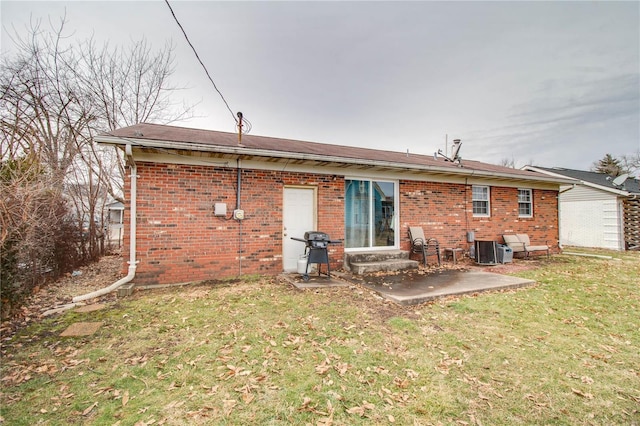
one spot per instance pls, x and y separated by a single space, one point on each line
362 409
89 409
91 277
64 359
582 394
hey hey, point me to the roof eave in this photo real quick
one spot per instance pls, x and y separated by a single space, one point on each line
616 191
604 188
244 151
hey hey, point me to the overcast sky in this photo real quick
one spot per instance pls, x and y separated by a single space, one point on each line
542 83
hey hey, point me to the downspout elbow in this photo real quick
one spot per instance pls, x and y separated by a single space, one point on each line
130 276
573 186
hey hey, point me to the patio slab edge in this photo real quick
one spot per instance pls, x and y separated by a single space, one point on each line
469 282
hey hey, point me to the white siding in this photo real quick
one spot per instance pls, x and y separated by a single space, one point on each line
590 218
585 193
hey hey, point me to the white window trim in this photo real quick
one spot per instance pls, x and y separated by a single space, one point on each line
488 200
530 202
396 216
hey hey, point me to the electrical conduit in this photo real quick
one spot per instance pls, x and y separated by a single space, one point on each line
239 186
132 239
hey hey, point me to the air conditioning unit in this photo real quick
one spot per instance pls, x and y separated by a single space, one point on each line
486 253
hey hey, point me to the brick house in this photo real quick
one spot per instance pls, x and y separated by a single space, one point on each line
210 206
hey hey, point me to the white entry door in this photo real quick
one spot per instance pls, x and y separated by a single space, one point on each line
298 217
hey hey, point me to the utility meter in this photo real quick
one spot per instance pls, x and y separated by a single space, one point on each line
238 214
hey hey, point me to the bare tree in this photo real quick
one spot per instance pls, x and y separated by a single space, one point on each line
131 85
508 162
631 162
126 86
55 95
38 109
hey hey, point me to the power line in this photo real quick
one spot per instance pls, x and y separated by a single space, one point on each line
201 63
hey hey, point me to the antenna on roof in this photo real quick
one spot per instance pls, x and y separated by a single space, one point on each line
446 143
455 158
244 126
239 128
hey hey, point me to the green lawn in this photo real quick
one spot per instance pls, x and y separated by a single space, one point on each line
565 351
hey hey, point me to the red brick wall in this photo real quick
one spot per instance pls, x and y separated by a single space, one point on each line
441 210
180 240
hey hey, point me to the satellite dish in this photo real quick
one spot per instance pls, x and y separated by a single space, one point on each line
620 179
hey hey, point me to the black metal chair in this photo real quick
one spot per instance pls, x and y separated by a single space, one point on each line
424 246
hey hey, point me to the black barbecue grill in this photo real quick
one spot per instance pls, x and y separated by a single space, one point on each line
316 250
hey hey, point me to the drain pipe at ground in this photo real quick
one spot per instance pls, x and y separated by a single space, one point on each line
132 239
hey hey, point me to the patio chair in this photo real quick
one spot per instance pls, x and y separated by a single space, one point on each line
422 245
520 243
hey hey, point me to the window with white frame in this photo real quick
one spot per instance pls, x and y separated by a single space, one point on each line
525 203
480 198
370 218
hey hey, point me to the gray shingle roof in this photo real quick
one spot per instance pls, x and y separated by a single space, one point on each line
631 185
150 135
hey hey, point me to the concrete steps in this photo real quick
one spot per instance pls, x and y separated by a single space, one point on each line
380 261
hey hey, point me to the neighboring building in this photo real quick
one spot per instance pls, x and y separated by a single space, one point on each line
208 206
115 223
598 210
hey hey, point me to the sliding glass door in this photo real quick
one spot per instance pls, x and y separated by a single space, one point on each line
369 213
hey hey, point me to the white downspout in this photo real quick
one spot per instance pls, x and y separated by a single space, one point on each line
560 192
132 239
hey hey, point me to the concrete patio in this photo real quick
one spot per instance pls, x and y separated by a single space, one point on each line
417 286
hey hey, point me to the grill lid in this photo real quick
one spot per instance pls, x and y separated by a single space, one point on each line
316 236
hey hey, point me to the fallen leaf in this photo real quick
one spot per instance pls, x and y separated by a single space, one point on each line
342 368
587 380
323 367
356 410
305 401
412 374
228 405
609 348
89 408
582 394
247 398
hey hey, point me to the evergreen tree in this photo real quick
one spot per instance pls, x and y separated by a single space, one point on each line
609 165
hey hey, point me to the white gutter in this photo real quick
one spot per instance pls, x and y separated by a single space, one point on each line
573 186
323 158
132 239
